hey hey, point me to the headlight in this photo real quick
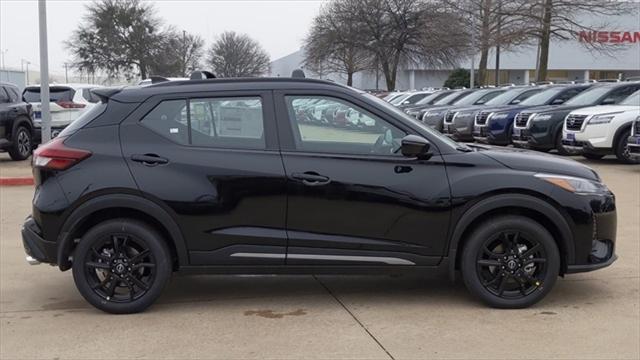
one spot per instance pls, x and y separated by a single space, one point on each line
499 116
574 184
543 117
602 119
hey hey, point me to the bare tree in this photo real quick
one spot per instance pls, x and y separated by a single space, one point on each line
331 45
402 32
561 20
237 55
177 54
493 23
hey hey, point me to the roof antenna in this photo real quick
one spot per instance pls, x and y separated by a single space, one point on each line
298 73
199 75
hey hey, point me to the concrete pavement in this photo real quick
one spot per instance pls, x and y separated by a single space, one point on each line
587 316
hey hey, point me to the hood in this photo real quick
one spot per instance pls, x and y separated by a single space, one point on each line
553 108
527 160
606 109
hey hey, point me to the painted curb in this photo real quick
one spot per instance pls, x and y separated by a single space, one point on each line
16 181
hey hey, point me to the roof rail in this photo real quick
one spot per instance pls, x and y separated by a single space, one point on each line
199 75
158 79
608 80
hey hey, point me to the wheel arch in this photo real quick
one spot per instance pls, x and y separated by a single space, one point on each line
19 120
119 205
619 132
527 205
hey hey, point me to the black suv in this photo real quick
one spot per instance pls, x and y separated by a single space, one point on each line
288 175
16 126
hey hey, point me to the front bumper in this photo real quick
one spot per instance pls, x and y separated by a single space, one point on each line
37 249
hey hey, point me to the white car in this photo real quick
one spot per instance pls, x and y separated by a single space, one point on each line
154 79
602 130
67 102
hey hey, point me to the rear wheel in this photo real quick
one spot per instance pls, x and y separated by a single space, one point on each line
510 262
622 149
22 144
121 266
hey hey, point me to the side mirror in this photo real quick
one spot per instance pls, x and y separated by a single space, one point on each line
516 101
608 101
557 102
415 146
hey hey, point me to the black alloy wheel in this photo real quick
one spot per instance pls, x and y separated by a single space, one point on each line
510 262
121 266
22 144
511 266
622 149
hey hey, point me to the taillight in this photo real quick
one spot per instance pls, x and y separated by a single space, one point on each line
54 155
69 104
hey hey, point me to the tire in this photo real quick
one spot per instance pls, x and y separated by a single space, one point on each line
22 144
561 150
621 148
592 156
524 277
121 266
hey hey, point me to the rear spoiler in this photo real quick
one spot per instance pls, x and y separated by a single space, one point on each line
106 92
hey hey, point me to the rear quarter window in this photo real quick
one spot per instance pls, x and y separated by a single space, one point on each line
84 119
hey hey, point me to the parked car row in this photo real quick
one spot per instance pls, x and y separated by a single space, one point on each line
21 114
591 119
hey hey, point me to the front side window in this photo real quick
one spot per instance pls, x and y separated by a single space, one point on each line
234 122
4 98
331 125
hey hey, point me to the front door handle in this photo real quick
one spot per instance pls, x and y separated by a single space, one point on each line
311 178
149 159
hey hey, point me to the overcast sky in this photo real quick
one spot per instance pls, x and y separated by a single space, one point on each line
279 25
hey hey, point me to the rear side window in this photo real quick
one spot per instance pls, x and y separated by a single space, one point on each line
234 123
85 118
56 94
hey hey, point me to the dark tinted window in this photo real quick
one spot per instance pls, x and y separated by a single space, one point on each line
621 93
169 119
84 118
13 94
56 93
227 122
235 123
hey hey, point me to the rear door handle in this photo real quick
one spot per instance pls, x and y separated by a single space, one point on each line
149 159
310 178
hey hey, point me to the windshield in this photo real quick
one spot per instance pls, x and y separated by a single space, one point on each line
543 97
507 97
422 126
589 97
633 99
399 99
428 99
452 97
478 97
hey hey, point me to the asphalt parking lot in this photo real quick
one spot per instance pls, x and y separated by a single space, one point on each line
587 316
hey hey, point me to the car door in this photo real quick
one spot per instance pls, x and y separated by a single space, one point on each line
352 198
212 159
4 109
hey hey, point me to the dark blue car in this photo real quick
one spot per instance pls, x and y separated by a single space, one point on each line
495 125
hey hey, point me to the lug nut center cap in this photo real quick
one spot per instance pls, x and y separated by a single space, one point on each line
512 264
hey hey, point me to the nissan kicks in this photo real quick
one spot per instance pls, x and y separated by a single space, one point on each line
242 176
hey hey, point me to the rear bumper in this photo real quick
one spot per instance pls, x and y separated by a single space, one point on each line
36 248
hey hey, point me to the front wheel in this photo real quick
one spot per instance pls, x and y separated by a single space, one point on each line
510 262
622 149
121 266
22 144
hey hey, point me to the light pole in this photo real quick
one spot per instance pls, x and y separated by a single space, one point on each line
44 72
66 75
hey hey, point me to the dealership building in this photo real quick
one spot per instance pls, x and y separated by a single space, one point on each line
568 60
